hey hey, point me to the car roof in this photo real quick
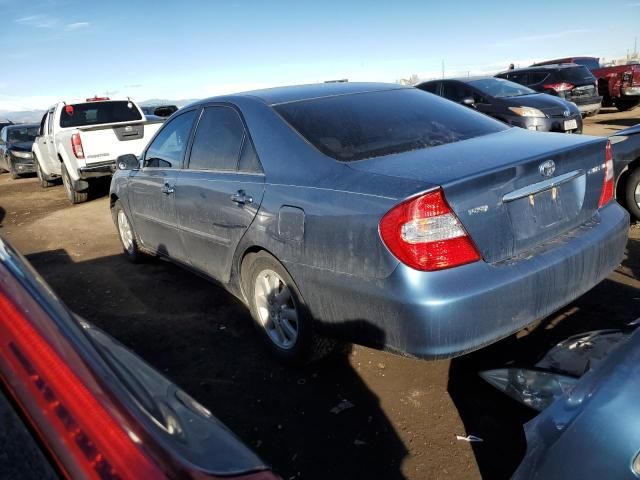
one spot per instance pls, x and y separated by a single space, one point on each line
554 66
297 93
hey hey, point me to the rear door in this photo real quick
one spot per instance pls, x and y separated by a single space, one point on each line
46 144
219 192
152 188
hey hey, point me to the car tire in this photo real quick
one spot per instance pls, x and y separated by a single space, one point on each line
73 196
126 234
12 172
624 104
270 292
632 193
42 179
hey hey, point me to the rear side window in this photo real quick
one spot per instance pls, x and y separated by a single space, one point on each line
431 87
96 113
168 147
218 139
537 77
374 124
577 74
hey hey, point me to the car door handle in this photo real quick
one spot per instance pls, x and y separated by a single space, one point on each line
241 198
168 189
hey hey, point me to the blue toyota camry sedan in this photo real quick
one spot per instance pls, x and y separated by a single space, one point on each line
373 213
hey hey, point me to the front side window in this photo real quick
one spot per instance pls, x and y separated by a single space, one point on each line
167 149
456 91
375 124
217 141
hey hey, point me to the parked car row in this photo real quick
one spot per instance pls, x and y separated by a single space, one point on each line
368 213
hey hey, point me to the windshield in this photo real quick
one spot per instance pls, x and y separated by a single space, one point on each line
96 113
373 124
500 88
22 134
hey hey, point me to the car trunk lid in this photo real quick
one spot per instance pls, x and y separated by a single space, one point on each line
511 190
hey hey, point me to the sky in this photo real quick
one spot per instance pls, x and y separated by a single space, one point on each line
57 49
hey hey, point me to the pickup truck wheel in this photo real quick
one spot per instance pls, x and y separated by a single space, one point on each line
73 196
279 312
44 183
632 195
624 104
126 233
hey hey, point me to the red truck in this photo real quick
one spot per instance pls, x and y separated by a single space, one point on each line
619 85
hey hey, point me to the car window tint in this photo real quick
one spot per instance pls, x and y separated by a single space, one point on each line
537 77
168 147
217 142
577 74
456 91
42 122
431 87
249 159
374 124
519 77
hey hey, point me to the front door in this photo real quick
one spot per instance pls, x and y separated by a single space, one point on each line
152 188
219 192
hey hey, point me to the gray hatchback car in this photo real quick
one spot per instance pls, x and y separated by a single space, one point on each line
374 213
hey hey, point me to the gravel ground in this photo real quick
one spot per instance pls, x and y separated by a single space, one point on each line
398 417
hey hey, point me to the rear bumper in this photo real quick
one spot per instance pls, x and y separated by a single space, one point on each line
587 105
448 313
98 169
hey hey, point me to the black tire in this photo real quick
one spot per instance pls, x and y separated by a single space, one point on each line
633 182
131 248
12 172
308 345
624 104
42 179
73 196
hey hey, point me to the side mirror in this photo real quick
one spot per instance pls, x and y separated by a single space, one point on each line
468 101
128 162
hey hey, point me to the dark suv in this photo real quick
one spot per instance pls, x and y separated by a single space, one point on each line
569 81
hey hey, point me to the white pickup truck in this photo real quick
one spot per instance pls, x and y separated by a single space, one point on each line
81 140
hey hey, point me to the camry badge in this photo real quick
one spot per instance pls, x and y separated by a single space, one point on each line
547 168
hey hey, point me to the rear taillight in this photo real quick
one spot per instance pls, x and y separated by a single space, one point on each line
424 233
607 186
559 87
76 145
86 440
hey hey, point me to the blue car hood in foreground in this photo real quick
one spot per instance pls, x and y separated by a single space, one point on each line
593 433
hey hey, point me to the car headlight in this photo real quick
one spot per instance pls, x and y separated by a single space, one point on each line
19 154
535 388
527 112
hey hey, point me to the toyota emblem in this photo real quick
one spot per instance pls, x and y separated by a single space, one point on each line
547 168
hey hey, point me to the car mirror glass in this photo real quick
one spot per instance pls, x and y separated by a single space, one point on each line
468 101
127 162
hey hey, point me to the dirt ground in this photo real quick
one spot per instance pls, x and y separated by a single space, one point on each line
403 414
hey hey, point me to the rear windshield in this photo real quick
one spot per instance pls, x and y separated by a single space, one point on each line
374 124
500 88
577 74
22 134
96 113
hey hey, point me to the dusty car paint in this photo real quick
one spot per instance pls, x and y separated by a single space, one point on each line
352 284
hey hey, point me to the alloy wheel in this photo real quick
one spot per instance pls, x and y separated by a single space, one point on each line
276 309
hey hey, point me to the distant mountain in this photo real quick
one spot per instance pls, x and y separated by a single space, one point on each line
34 116
26 116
